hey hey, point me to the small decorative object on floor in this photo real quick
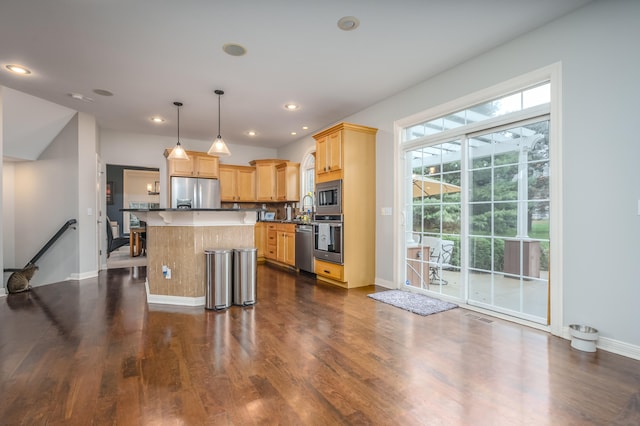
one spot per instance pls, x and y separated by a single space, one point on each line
412 302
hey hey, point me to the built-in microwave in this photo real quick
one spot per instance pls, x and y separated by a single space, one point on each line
329 197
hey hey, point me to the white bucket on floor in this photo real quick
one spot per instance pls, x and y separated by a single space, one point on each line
583 337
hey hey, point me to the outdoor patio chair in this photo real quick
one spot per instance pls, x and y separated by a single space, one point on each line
439 259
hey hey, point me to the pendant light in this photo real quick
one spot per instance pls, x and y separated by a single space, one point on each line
178 152
218 147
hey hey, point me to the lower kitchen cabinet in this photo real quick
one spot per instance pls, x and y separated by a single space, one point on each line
281 243
272 242
261 240
330 270
286 244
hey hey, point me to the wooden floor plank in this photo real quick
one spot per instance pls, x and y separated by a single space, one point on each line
307 353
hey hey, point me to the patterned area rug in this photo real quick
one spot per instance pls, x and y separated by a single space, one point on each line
412 302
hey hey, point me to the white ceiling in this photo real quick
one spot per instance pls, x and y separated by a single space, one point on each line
150 53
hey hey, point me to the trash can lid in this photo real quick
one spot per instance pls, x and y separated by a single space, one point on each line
246 249
214 251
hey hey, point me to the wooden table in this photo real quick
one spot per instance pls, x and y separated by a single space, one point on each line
135 245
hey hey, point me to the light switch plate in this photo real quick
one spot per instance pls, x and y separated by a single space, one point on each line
385 211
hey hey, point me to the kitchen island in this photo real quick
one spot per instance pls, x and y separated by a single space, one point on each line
177 238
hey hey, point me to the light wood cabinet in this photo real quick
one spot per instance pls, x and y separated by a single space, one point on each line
288 181
329 156
281 243
286 244
277 180
199 164
237 183
329 270
272 242
348 151
206 166
265 179
260 240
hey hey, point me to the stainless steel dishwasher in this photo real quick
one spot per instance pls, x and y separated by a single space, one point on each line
304 248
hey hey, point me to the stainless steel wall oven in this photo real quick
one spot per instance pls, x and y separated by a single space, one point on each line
328 238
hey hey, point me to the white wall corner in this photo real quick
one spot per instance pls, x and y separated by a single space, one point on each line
384 283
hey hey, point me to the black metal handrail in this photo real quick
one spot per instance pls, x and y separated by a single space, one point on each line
48 245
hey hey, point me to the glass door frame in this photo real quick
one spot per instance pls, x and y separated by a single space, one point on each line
551 73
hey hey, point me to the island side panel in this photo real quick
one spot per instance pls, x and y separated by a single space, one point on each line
182 248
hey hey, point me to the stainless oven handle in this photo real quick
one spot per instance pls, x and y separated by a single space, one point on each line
331 224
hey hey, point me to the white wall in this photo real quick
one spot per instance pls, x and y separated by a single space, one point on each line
2 193
87 195
600 62
46 196
132 149
8 215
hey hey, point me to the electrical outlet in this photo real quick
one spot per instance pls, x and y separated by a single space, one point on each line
168 275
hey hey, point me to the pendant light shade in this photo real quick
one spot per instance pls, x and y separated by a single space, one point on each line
178 152
219 147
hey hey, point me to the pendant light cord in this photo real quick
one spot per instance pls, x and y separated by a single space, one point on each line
219 137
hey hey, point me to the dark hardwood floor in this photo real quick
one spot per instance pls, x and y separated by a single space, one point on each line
94 352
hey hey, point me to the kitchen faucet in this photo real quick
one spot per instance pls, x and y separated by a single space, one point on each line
302 204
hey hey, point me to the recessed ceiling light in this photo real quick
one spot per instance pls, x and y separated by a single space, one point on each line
102 92
234 49
291 107
348 23
18 69
157 119
293 133
305 127
251 133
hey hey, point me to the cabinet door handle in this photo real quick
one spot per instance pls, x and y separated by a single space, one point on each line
327 272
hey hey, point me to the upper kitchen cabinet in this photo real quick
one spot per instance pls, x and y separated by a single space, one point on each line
265 179
329 156
288 181
199 164
237 183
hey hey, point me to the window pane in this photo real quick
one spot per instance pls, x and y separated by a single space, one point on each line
480 219
536 96
505 185
538 185
480 185
480 251
505 219
539 220
451 217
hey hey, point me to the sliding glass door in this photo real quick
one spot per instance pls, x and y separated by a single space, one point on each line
509 220
476 197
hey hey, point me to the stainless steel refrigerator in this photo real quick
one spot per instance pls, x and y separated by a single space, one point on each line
195 193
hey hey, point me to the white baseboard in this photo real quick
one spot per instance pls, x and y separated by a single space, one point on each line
172 300
384 283
83 275
611 345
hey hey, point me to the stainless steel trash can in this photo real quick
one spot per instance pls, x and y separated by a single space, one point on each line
245 262
218 268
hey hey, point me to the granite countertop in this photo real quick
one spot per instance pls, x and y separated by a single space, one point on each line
191 210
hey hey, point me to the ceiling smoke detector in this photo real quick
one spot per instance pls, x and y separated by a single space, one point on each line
348 23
